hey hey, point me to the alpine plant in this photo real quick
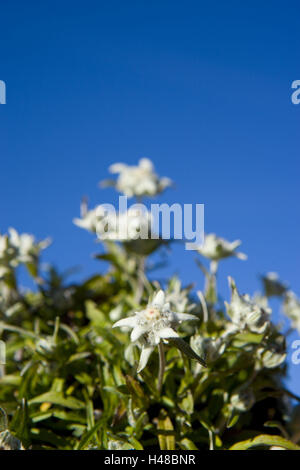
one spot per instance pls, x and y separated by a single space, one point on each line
154 325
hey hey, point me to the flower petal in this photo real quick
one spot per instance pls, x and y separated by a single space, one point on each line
241 256
179 317
137 332
167 333
159 299
14 236
145 354
235 244
166 307
117 167
146 164
131 322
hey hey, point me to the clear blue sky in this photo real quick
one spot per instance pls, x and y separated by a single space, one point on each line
201 88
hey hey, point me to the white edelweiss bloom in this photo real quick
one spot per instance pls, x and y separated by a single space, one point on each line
209 348
270 358
216 248
138 180
9 441
23 243
242 400
92 219
25 246
133 224
291 307
245 313
178 297
261 301
152 325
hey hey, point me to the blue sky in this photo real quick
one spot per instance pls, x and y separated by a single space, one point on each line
201 88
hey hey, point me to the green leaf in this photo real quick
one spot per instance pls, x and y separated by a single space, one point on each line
135 443
265 440
32 269
48 436
187 403
3 420
58 399
86 438
17 329
135 389
94 313
188 444
166 436
21 424
186 349
232 420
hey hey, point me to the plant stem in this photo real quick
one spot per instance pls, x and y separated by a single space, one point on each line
211 440
162 366
140 286
204 306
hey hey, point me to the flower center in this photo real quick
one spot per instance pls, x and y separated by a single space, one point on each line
152 314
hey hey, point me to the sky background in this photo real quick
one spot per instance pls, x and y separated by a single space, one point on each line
201 88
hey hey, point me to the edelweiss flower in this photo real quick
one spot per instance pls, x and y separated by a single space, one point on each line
246 314
269 358
122 226
130 225
154 324
216 248
9 442
140 180
91 219
291 307
26 247
18 248
210 348
242 400
178 297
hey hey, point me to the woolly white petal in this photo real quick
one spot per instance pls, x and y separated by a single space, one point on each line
167 333
159 299
179 317
166 307
117 167
145 354
131 322
83 223
241 256
235 244
14 236
165 182
137 332
146 164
